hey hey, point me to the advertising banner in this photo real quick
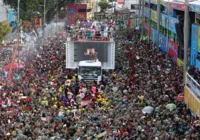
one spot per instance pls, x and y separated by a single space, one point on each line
163 43
154 15
164 20
195 8
147 12
177 6
172 50
11 15
199 39
154 35
172 22
76 12
194 44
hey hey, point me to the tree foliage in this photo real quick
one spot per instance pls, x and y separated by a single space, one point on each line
103 4
5 29
27 7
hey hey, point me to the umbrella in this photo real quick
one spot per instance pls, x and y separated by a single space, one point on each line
171 106
147 109
14 66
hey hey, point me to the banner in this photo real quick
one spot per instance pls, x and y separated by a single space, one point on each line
11 15
154 36
172 50
195 8
177 6
194 44
154 15
163 43
172 22
199 39
76 12
164 20
147 12
86 102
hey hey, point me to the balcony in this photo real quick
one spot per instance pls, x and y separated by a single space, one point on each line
193 86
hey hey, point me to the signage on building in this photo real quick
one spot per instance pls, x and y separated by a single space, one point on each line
195 8
178 6
76 12
172 22
194 44
164 20
172 49
147 12
162 42
154 15
121 16
154 36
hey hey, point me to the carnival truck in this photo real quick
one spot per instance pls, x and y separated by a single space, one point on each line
90 58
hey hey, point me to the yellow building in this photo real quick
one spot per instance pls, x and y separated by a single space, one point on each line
92 6
192 95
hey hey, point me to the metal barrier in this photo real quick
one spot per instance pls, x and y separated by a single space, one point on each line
193 86
92 36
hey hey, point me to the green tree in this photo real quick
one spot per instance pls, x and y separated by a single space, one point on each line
103 4
5 29
27 7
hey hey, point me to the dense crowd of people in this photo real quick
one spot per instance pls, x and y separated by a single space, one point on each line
46 102
195 73
93 31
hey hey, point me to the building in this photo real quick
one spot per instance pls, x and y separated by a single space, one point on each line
171 39
3 12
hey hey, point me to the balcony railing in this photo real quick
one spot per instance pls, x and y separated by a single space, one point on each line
92 36
193 86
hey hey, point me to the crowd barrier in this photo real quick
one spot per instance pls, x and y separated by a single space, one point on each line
91 36
193 86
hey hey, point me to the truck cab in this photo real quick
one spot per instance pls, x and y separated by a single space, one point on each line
90 70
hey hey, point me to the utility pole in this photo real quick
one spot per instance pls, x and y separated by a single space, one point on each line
142 28
56 16
149 25
167 40
44 15
18 32
139 16
158 25
186 36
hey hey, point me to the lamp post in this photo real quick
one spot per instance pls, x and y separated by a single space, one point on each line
149 24
186 36
142 29
56 16
167 40
44 16
18 3
158 25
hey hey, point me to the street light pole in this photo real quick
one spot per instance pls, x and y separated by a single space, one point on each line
18 3
56 16
44 12
186 36
142 29
167 35
158 25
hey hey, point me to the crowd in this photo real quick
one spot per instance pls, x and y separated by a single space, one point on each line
195 73
86 30
46 102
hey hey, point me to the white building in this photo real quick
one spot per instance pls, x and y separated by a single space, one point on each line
3 12
132 5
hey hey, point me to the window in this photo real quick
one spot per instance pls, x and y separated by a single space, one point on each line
134 6
82 10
